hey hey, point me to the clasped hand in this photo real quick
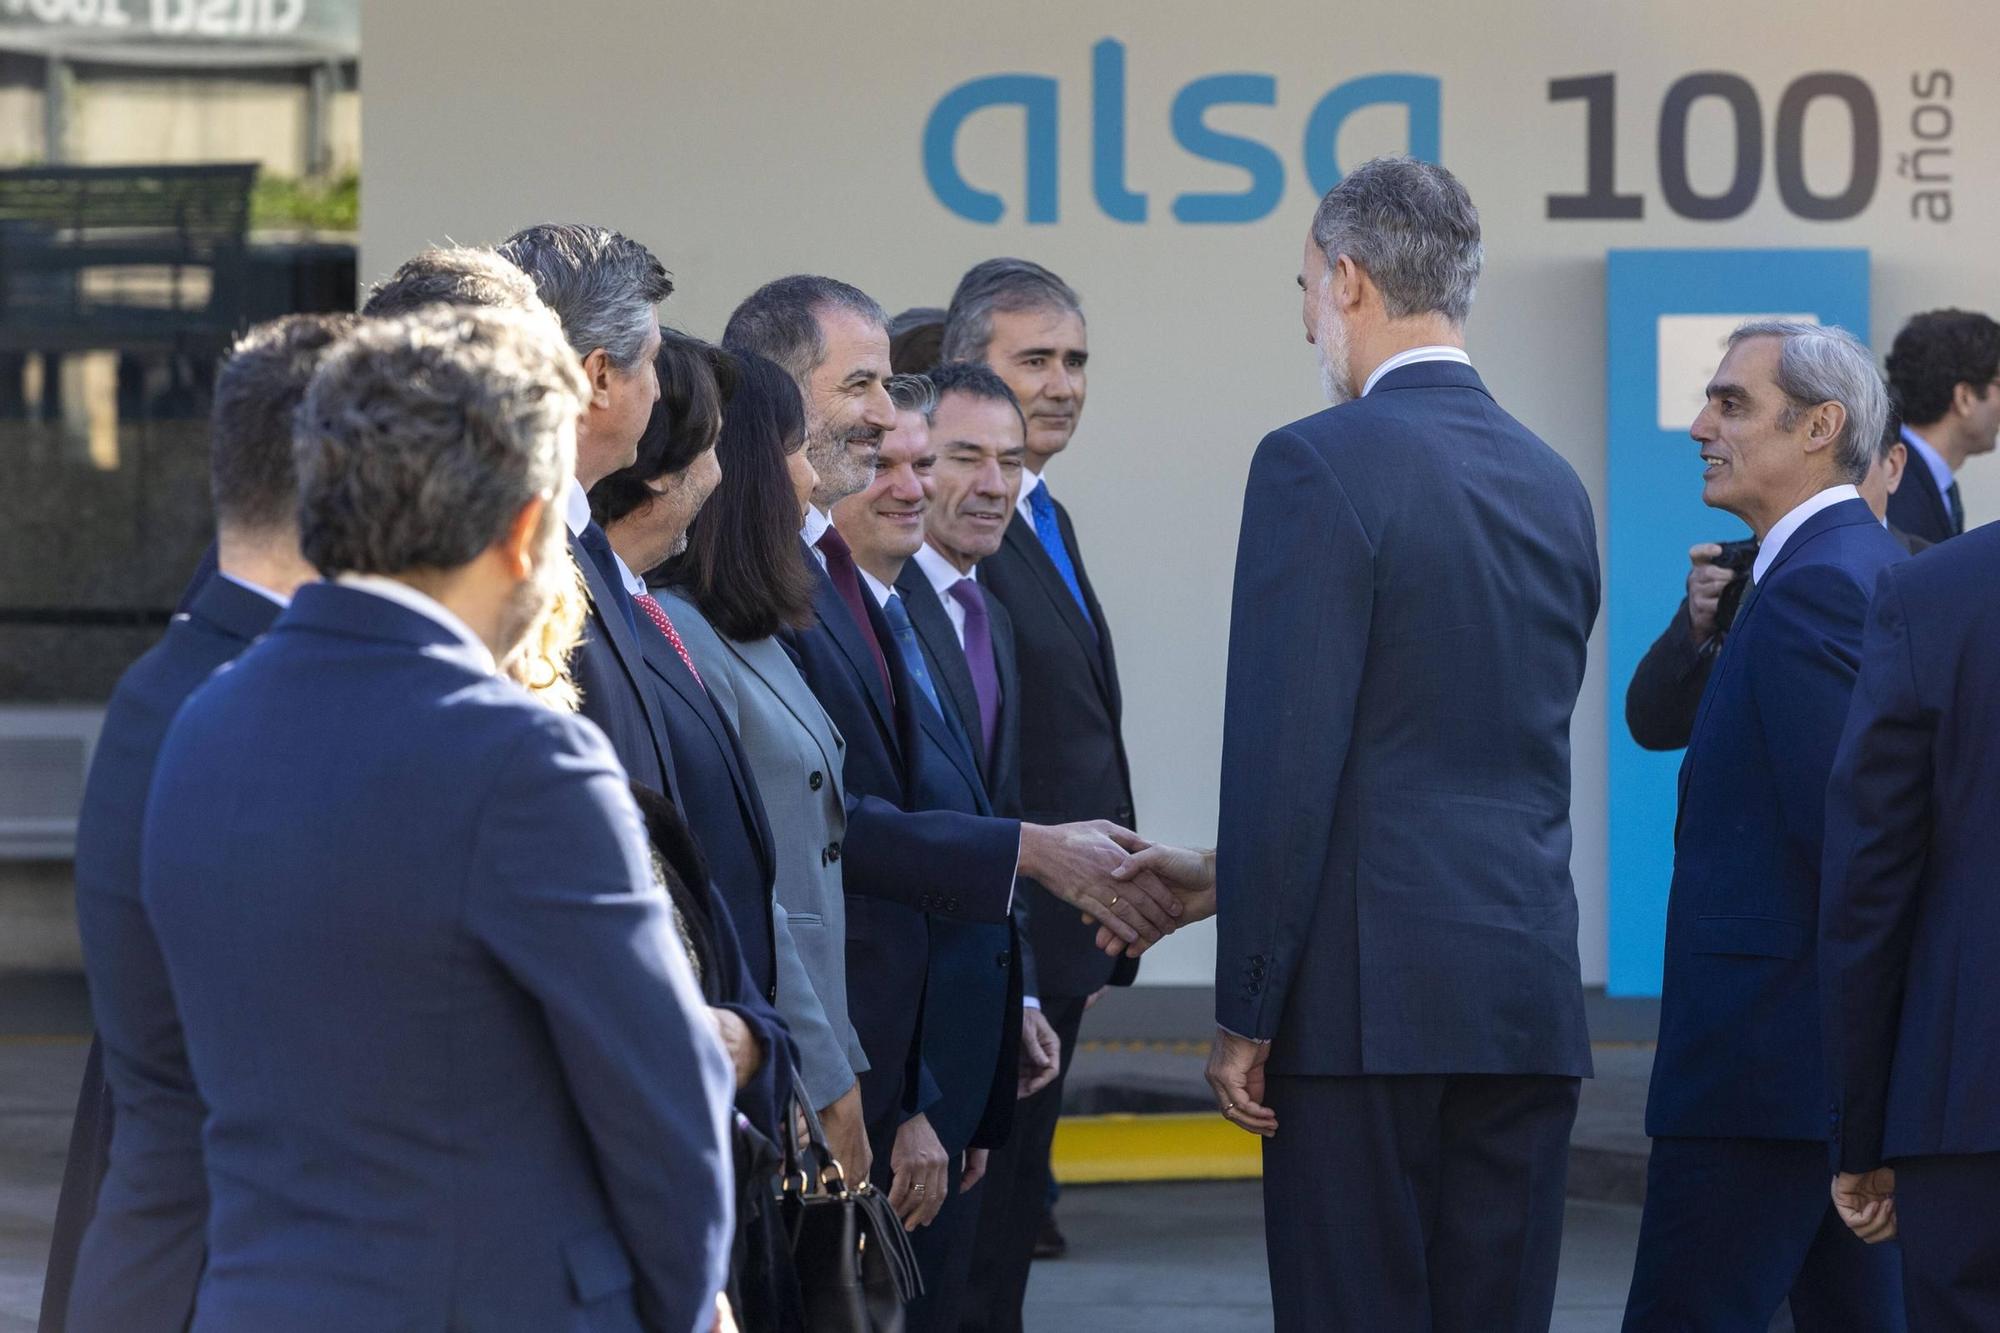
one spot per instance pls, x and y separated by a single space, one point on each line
1185 873
1079 863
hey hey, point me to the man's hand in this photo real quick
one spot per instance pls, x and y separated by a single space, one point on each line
739 1043
1236 1074
1866 1201
1705 584
975 1168
1075 862
847 1136
1041 1054
725 1318
1189 873
919 1173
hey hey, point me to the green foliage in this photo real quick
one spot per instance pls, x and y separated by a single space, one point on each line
332 204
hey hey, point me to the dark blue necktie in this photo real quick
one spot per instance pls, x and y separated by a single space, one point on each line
1957 507
1049 532
598 547
898 617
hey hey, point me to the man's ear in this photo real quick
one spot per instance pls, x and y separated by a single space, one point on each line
597 369
1964 395
1823 427
1350 285
518 544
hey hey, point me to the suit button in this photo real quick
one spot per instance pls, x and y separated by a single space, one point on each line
951 904
1254 986
817 780
832 853
1003 958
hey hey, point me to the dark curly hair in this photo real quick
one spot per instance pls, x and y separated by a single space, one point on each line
1935 353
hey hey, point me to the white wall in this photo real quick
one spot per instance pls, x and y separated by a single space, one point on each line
745 141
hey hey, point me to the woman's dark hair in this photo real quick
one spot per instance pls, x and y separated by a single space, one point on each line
696 379
743 566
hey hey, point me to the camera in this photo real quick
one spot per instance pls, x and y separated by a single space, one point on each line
1738 557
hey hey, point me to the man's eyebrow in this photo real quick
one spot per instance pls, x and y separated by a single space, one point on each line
1719 389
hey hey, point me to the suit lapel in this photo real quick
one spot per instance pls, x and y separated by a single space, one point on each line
625 648
670 671
1022 541
1933 497
934 630
840 627
790 689
1103 658
1010 684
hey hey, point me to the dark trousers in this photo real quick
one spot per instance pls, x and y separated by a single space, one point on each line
1948 1224
1016 1190
1417 1203
944 1251
1733 1228
83 1174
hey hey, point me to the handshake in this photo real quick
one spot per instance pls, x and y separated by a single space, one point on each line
1134 890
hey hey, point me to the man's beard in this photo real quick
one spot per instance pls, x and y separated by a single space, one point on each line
1330 339
841 471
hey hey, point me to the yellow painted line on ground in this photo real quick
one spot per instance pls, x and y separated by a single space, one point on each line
1097 1149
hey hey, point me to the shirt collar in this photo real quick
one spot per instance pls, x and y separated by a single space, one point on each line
633 583
1782 531
939 570
883 592
817 522
257 588
576 508
1921 447
1410 357
395 590
1030 483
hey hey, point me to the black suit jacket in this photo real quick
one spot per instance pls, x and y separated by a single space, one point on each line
978 973
142 1263
1918 507
900 860
1072 761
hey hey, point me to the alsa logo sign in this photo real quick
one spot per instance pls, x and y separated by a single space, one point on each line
1039 98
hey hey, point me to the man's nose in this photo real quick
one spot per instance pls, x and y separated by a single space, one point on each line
877 410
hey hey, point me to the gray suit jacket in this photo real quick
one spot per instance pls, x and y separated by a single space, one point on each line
795 755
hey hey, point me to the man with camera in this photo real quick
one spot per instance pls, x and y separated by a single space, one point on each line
1666 686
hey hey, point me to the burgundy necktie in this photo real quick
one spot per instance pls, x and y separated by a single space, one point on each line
658 615
847 582
979 657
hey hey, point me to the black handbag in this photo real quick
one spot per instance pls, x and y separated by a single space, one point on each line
855 1267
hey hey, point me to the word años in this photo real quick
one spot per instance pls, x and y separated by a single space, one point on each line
168 18
1928 164
1039 98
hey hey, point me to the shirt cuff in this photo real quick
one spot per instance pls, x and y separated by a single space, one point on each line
1261 1041
1030 1002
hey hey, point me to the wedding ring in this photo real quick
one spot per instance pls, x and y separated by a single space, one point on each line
920 1189
1114 900
1225 1110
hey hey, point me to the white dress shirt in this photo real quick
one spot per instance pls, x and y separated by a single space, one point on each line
424 605
817 522
1437 352
944 576
576 508
1029 482
883 592
257 588
1781 531
1940 470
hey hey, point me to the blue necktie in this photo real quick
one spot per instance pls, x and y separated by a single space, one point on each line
598 547
898 617
1049 533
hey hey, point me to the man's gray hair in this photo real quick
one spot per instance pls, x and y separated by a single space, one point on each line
780 320
1010 285
605 288
421 437
912 393
1824 363
453 275
1411 227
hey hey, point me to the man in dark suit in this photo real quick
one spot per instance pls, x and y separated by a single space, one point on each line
1912 1008
1398 1003
1027 325
452 1053
1737 1217
1944 368
971 1000
1666 686
899 860
144 1264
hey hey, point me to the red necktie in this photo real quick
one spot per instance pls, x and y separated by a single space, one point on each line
658 615
847 582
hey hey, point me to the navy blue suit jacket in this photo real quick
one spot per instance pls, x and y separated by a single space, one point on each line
142 1254
899 861
1415 586
457 1070
1918 507
1739 1052
972 1006
611 674
1909 908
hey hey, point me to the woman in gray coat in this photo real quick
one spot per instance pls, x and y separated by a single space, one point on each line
741 579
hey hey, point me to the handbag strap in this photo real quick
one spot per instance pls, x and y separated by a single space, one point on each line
832 1179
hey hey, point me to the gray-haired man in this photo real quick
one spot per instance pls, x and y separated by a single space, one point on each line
1737 1217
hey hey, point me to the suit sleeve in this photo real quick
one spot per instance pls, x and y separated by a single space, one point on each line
953 865
1878 830
1804 654
564 898
1298 642
763 1100
1665 693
